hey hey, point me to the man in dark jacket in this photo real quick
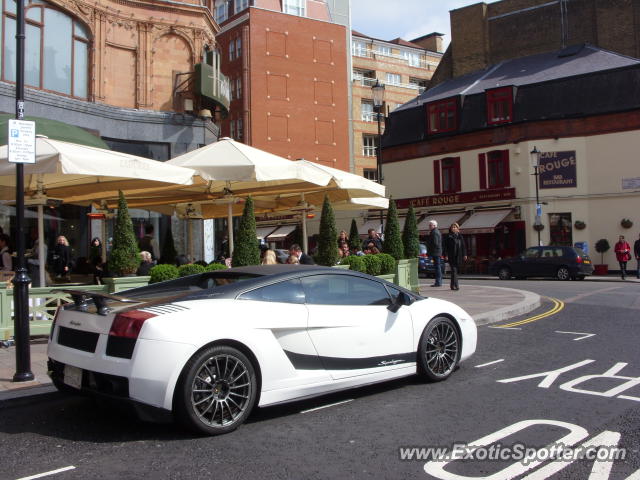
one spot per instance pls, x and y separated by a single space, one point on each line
303 258
455 253
636 253
434 248
372 238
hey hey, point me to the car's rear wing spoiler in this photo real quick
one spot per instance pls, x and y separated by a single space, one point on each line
100 300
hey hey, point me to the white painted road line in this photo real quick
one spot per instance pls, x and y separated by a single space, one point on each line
507 328
46 474
490 363
327 406
585 335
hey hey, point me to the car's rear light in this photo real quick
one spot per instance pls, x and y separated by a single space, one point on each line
55 318
579 259
424 255
129 324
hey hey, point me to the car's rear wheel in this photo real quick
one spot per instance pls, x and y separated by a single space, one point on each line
563 273
217 390
439 349
504 273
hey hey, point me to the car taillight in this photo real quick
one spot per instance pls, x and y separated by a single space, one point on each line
423 255
579 259
129 324
55 317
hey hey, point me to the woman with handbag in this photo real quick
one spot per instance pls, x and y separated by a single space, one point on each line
623 255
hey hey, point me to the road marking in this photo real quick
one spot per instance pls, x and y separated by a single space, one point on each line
557 306
327 406
588 294
584 335
490 363
46 474
507 328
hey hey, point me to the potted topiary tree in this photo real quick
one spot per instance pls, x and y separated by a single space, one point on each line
392 243
327 245
411 243
246 250
602 246
354 235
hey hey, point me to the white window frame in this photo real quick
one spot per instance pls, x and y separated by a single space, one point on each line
359 48
240 5
239 129
383 50
221 11
368 145
295 7
414 59
366 111
393 79
232 50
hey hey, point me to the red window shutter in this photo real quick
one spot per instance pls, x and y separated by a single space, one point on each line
505 166
482 165
436 177
456 164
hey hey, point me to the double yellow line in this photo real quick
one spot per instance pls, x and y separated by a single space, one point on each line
557 306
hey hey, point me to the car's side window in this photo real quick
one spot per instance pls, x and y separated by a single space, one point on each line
289 291
343 290
532 253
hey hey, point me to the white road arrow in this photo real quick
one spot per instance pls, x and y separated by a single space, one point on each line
584 335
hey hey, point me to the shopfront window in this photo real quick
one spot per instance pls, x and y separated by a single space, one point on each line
560 229
56 49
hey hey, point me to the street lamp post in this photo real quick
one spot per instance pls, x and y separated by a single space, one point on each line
378 101
535 162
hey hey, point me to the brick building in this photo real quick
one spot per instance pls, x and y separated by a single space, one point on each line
142 76
461 150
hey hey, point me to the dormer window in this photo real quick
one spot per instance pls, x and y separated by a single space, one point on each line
499 105
442 116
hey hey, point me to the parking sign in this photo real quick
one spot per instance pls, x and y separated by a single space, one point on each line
22 141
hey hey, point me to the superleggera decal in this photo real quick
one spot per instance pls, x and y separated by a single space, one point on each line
301 361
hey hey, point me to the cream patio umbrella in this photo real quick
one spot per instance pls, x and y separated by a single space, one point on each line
65 171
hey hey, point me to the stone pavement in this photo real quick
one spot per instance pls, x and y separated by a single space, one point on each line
486 305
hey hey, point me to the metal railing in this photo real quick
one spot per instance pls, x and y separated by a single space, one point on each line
370 81
421 63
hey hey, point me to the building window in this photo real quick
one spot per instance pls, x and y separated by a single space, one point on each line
494 169
446 175
366 109
369 145
56 49
221 11
499 105
239 129
232 129
442 116
239 87
383 50
359 48
240 5
413 58
418 83
295 7
560 229
238 47
232 50
393 78
232 96
370 174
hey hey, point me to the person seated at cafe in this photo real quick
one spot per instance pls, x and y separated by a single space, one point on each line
146 264
371 249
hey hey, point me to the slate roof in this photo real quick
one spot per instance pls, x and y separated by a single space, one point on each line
572 61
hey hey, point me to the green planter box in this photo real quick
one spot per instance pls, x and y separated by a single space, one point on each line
407 274
343 267
117 284
389 277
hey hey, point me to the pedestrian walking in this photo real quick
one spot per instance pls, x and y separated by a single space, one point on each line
434 248
62 258
623 255
636 253
455 253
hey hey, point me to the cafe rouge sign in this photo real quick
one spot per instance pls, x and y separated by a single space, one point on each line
558 170
456 198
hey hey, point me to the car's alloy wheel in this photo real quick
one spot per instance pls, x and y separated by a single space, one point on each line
504 273
217 390
439 349
563 273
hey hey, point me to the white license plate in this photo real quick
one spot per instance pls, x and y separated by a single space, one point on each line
73 376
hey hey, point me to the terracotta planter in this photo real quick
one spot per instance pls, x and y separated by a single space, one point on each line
601 269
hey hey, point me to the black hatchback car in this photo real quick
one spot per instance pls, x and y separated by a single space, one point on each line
563 263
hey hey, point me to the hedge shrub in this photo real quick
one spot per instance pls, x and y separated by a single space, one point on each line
215 266
163 272
372 264
190 269
387 264
355 263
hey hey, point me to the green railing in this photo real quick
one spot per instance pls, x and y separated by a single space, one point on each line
43 302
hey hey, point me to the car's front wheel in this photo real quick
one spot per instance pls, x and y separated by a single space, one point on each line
439 349
563 273
504 273
217 390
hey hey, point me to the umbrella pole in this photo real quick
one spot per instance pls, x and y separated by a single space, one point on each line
41 256
305 242
230 228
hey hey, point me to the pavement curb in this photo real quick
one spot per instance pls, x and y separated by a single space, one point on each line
26 393
531 302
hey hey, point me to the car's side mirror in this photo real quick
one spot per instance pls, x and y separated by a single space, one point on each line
401 299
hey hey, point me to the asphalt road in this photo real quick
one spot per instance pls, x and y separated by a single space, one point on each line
595 332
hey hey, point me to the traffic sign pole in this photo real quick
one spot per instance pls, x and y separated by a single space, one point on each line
21 280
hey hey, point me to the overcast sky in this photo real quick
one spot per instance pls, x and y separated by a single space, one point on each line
408 19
